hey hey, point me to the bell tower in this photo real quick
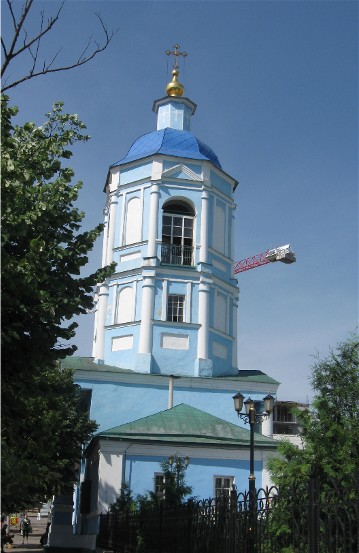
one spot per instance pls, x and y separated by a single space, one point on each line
171 305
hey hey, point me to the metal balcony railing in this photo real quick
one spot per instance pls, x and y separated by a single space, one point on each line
174 254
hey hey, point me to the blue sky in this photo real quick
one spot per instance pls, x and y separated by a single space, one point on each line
276 88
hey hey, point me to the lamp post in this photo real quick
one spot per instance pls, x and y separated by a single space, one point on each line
177 463
251 416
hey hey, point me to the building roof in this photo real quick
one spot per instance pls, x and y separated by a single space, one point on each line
186 424
87 364
172 142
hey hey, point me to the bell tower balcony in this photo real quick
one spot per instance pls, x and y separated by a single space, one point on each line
176 254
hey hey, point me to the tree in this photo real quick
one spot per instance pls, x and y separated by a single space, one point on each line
330 431
43 253
125 502
42 460
330 434
174 489
21 43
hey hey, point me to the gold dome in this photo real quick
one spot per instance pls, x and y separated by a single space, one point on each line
174 88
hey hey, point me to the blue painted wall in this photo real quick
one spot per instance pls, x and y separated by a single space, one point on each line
139 474
115 403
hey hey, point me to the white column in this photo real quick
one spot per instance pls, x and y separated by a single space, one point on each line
112 227
153 223
203 320
109 471
267 426
101 320
164 299
148 300
203 254
235 319
188 306
105 236
232 242
170 392
95 329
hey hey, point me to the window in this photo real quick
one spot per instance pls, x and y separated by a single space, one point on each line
175 308
159 484
223 485
85 401
177 233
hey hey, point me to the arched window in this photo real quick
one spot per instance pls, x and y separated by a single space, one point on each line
177 233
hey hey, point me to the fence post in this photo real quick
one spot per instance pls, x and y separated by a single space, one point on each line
161 513
313 513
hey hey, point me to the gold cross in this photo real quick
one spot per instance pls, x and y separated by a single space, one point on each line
176 53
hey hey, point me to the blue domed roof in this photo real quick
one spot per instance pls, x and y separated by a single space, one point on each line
171 142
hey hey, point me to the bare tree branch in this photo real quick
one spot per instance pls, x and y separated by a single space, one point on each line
32 45
17 30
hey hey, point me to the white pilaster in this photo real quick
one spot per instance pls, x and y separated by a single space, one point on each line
110 469
153 223
235 319
203 254
101 320
105 236
267 426
148 300
188 303
203 319
232 241
164 299
111 228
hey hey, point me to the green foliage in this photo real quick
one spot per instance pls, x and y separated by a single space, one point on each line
174 490
175 487
140 547
330 432
43 253
125 502
41 460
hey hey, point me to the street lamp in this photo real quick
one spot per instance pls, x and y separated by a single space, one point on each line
177 463
251 416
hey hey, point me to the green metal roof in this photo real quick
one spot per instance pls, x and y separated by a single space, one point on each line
87 364
185 424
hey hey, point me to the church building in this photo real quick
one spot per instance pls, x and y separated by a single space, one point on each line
164 365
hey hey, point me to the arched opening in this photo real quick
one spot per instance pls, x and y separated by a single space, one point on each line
177 233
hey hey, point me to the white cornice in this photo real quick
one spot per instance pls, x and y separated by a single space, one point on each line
229 384
181 167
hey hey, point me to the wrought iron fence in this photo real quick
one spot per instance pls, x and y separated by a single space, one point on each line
174 254
312 517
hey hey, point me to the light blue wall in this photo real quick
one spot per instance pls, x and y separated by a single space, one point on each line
139 474
221 184
115 403
136 173
173 361
125 358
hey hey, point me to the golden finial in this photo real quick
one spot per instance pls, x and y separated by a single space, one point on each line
174 88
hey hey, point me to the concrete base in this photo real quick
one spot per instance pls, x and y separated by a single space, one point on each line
69 543
143 362
203 367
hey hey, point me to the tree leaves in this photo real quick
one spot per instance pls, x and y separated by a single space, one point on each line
43 254
331 430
